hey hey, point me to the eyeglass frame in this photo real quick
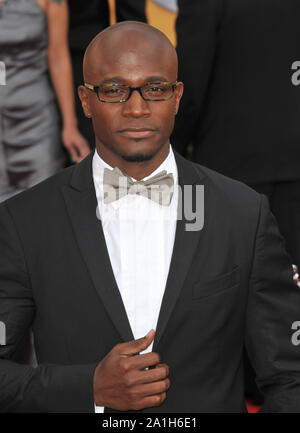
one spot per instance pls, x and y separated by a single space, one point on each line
95 89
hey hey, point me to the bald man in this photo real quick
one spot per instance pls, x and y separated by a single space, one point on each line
140 297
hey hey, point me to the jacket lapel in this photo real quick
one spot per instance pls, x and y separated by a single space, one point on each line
81 202
184 247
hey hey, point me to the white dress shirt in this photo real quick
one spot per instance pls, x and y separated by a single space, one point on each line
139 235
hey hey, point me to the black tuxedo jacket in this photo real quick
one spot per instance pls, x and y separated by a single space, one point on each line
240 109
229 284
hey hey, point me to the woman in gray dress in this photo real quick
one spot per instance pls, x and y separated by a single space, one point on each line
33 42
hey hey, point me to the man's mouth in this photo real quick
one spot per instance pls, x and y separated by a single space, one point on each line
137 132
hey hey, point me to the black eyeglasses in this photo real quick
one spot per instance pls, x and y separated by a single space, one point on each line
113 92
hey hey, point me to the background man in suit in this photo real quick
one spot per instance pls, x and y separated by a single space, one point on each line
90 288
241 111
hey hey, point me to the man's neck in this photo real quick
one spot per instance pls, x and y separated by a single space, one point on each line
136 170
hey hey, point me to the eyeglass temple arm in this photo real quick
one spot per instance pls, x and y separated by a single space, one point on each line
91 87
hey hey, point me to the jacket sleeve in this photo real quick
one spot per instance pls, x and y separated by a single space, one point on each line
23 388
273 306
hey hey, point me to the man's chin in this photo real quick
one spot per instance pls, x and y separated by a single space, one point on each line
137 157
138 151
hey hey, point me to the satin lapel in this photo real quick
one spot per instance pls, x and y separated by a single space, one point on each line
81 202
184 248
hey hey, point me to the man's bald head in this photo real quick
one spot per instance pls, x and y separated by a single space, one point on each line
127 37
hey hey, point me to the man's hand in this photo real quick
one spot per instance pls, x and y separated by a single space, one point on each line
122 382
75 143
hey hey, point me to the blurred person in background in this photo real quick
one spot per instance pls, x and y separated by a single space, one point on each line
240 111
87 19
33 43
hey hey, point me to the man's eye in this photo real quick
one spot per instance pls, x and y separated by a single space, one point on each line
112 91
156 89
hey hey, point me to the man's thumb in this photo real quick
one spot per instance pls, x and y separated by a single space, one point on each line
135 346
144 342
150 336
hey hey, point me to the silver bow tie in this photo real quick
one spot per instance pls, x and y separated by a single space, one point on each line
158 188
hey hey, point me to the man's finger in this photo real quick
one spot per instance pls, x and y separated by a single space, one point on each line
140 362
163 365
152 388
151 375
153 400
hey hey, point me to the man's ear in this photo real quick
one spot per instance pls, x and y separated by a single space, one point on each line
85 103
178 95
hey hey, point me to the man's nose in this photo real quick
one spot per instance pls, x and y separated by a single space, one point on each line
136 106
